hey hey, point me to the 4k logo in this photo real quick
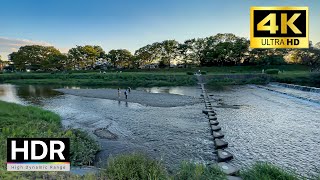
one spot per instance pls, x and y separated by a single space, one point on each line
279 27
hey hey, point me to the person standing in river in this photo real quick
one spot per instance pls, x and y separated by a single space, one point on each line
126 94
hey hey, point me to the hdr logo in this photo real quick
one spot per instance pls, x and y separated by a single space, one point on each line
279 27
38 154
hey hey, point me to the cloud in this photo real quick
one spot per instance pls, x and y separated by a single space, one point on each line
9 45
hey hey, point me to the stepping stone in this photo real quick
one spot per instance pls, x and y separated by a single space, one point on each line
220 144
212 117
233 178
224 156
215 128
211 113
227 168
217 135
205 111
213 122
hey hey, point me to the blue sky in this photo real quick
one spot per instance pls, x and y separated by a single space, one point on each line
129 24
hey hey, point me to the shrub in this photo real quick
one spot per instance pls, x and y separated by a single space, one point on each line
189 73
203 72
272 71
133 166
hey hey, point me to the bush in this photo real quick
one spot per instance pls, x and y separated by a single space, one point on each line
272 71
199 171
203 73
266 171
133 166
189 73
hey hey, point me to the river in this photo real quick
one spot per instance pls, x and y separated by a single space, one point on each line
259 124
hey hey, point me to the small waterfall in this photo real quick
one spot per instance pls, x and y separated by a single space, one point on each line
298 87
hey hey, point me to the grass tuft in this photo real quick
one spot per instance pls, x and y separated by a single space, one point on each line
134 166
191 171
267 171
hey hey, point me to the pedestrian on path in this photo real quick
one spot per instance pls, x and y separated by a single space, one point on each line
129 89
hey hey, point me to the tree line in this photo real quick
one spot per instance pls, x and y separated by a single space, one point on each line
218 50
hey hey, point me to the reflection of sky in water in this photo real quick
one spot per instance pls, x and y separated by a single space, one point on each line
8 93
180 90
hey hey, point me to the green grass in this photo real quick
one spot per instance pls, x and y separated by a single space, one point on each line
266 171
135 167
32 122
191 171
97 79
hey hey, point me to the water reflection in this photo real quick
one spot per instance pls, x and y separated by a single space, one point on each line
25 94
180 90
9 93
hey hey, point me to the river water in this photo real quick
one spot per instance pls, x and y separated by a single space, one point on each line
259 125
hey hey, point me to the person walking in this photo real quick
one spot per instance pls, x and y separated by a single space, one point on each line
119 92
126 94
129 89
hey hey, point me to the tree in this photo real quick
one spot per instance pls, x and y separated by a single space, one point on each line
148 54
169 51
309 57
33 57
223 49
120 57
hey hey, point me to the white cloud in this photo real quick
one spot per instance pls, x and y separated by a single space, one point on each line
9 45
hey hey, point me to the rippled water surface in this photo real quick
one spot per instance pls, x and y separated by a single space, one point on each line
271 127
259 124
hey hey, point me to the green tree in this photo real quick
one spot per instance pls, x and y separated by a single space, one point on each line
149 54
169 51
34 57
120 57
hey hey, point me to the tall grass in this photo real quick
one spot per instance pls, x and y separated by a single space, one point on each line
266 171
191 171
134 166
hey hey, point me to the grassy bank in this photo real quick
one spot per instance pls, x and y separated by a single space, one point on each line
27 121
99 79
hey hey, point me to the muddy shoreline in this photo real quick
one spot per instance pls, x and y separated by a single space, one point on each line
135 96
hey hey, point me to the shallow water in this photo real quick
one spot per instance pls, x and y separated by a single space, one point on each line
259 125
172 134
271 127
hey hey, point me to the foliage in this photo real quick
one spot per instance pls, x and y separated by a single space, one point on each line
120 57
34 57
272 71
134 166
28 121
190 171
266 171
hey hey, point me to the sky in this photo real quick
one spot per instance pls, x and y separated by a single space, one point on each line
129 24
